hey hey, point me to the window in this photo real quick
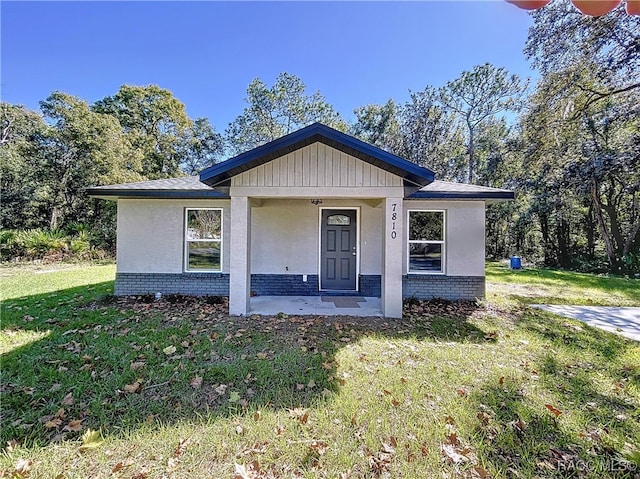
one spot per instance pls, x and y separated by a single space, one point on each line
426 242
338 220
203 239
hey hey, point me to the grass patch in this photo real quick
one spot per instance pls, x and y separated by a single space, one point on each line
177 388
548 286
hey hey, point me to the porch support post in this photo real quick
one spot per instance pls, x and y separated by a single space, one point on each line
392 258
240 257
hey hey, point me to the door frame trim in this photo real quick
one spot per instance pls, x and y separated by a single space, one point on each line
320 211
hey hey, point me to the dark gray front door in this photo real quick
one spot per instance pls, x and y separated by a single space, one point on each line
338 250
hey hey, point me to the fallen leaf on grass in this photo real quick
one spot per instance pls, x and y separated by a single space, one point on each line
462 391
196 382
137 365
91 439
53 423
74 425
132 388
241 472
169 350
556 412
221 389
181 448
300 414
68 400
117 467
319 447
454 454
518 425
22 468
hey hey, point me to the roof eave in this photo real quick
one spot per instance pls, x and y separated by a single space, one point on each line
114 194
442 195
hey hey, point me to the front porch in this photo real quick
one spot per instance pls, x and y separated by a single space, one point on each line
316 305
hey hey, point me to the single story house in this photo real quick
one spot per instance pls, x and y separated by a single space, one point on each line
312 213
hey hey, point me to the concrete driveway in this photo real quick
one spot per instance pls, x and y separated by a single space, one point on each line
624 321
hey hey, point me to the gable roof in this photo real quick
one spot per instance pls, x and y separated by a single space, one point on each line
410 172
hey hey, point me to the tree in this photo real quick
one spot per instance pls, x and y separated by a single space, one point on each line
276 111
378 125
479 95
18 166
202 147
609 46
78 149
156 123
430 136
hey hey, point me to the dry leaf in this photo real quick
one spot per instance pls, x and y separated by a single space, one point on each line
182 447
68 400
169 350
91 439
480 472
196 382
241 472
556 412
462 391
137 365
132 388
22 467
452 453
74 425
55 422
319 447
117 467
221 389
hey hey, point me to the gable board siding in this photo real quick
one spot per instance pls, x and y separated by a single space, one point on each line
317 165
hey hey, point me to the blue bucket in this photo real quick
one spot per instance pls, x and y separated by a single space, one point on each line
516 262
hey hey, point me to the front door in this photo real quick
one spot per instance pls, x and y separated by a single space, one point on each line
338 250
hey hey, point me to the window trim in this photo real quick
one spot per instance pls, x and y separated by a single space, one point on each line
186 240
443 242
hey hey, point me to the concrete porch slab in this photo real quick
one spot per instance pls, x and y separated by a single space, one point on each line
316 305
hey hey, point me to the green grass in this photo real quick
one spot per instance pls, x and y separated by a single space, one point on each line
548 286
311 397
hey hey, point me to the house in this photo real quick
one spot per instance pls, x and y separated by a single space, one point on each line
315 212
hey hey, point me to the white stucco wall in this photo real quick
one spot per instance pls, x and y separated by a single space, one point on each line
285 235
151 234
465 234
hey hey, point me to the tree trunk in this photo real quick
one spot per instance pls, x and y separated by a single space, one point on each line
55 216
563 237
606 237
471 150
546 238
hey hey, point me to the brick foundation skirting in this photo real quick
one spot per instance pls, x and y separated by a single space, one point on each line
217 284
424 286
293 285
192 284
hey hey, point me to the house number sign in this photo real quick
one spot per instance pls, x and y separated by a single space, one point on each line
394 217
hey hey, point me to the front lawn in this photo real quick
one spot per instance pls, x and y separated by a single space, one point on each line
550 286
178 389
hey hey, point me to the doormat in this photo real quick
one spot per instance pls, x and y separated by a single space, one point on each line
344 301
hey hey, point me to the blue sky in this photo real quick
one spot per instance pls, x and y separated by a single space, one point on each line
207 53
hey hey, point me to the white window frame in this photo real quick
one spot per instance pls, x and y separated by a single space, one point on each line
187 240
443 242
